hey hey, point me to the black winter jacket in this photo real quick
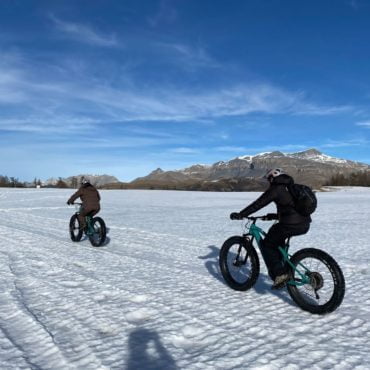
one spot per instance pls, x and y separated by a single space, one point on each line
279 194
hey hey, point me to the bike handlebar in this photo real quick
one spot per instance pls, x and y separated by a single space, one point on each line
268 217
255 218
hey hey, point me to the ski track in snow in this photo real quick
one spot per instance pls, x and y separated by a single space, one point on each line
153 297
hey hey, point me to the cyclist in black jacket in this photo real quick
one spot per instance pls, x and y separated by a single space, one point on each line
290 223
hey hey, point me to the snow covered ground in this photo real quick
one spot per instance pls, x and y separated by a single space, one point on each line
153 296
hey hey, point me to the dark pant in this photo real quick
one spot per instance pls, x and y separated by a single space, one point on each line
275 238
92 211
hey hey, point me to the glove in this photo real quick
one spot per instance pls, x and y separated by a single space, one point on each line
236 216
271 216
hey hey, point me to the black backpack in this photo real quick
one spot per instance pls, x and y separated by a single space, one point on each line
305 201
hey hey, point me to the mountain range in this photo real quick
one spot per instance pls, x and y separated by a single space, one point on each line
75 181
245 173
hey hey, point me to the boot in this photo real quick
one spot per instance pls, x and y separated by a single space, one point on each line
280 281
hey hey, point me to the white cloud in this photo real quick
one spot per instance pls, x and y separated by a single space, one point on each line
345 143
183 150
166 13
43 100
364 124
171 105
48 124
236 149
84 33
189 56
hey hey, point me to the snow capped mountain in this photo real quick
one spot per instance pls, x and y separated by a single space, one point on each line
315 155
310 155
310 167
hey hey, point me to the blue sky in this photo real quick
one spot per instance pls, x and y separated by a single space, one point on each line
124 87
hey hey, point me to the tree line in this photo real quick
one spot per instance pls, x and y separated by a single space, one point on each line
12 182
353 179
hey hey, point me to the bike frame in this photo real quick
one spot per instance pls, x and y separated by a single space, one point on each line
90 227
257 233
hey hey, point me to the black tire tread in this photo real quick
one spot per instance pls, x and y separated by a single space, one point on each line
339 284
74 238
103 232
253 259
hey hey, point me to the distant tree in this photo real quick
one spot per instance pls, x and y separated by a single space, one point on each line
13 182
74 182
61 184
354 179
4 181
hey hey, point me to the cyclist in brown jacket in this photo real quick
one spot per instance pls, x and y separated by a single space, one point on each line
90 198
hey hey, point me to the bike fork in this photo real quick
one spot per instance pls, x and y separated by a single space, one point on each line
237 262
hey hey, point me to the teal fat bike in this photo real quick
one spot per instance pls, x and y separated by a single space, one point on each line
316 282
95 228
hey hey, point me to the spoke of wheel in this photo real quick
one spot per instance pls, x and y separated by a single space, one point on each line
326 291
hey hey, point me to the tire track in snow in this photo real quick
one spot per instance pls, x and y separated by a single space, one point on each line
264 320
207 317
186 339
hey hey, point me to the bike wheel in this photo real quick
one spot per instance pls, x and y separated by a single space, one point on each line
326 288
239 263
97 238
74 229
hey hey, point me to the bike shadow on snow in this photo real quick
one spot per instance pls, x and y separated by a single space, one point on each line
107 238
106 242
146 351
263 283
212 263
263 286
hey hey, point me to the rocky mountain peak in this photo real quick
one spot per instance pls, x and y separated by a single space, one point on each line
312 151
158 171
308 153
275 153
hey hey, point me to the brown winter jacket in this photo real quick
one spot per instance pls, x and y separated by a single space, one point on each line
89 195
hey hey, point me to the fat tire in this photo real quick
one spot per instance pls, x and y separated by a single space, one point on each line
336 274
252 258
75 235
102 232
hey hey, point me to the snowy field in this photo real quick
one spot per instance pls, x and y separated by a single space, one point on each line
153 298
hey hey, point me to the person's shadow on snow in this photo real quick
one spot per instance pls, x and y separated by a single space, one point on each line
212 264
147 352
